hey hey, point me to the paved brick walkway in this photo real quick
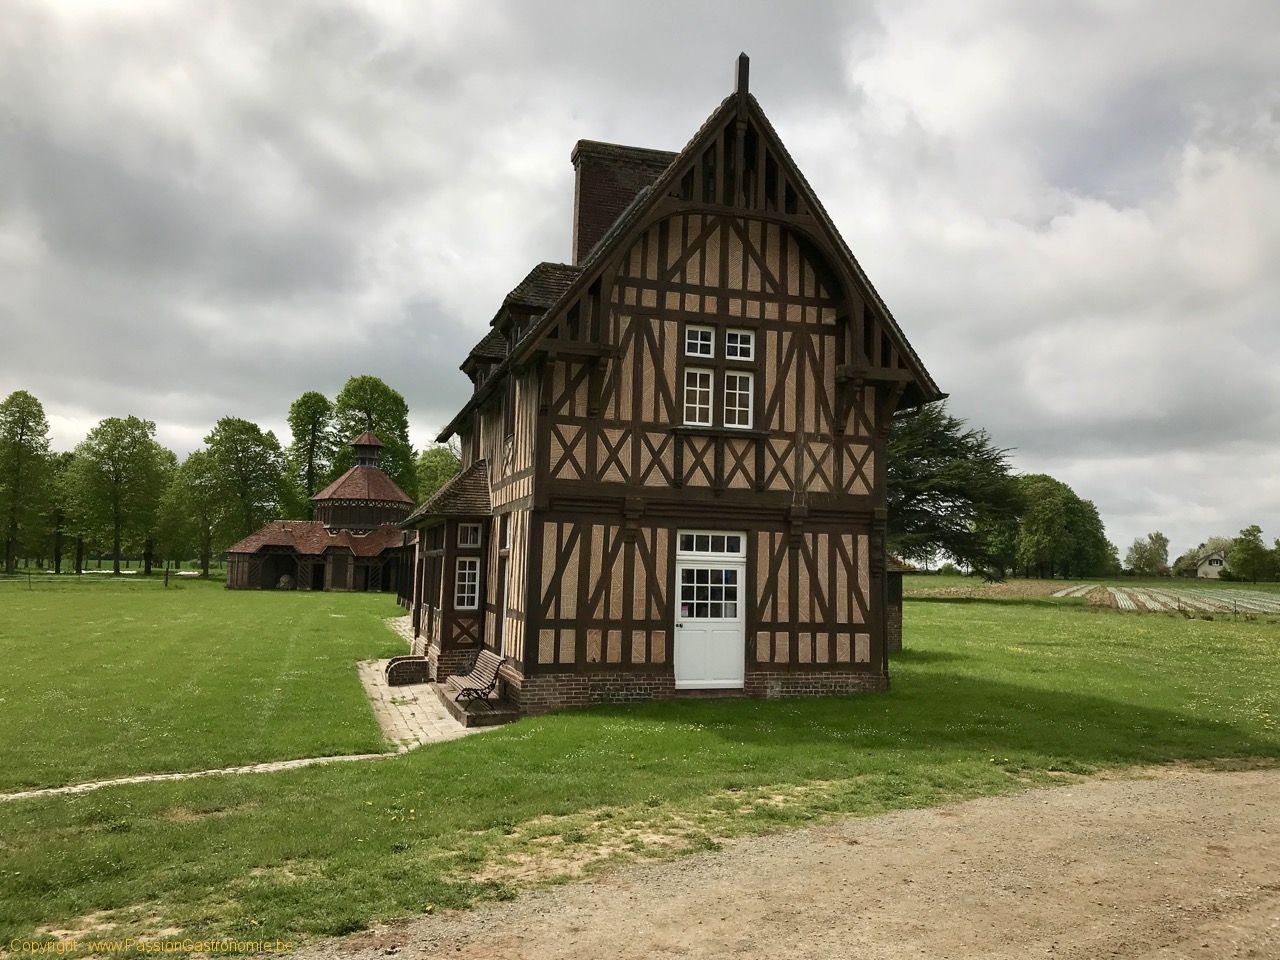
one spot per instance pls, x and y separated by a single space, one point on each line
410 716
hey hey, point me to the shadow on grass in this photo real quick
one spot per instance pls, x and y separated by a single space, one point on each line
949 714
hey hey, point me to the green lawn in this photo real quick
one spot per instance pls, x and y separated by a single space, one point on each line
109 676
990 696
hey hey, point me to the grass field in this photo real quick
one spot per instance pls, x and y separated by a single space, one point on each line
990 696
113 676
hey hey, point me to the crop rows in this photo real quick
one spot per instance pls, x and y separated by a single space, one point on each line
1196 599
1079 591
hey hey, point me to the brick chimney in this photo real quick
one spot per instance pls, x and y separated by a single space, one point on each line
607 178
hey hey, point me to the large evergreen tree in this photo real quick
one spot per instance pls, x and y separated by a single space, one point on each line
24 448
948 486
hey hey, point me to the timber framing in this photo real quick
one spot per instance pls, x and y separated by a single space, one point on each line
716 370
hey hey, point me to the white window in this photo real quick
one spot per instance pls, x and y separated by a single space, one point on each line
466 591
468 534
740 345
737 399
697 397
712 542
699 342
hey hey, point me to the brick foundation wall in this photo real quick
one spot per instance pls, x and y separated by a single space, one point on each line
542 693
771 684
894 624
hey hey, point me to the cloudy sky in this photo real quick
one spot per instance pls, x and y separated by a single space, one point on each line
1073 209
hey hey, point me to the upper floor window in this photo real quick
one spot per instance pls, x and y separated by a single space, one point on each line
737 398
699 342
740 345
468 534
697 397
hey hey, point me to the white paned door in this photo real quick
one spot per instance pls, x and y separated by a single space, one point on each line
710 638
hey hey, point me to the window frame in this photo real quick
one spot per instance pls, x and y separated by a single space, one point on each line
709 406
479 532
750 336
711 342
472 585
749 409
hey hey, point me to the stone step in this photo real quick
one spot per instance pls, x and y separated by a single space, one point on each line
475 713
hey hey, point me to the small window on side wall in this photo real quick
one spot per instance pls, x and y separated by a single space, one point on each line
468 534
466 590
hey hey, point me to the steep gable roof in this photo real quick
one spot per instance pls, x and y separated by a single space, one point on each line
738 106
466 495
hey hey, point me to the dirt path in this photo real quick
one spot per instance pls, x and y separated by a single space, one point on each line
1176 864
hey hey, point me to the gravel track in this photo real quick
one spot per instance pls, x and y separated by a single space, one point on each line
1165 864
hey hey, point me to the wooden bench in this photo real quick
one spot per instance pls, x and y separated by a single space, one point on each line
479 682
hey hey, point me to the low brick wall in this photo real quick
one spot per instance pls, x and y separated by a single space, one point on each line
445 665
405 670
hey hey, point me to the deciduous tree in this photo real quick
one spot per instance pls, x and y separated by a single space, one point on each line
310 455
437 465
24 447
1149 556
190 510
249 468
1249 558
366 403
116 481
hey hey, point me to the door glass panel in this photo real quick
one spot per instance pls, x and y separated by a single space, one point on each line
708 593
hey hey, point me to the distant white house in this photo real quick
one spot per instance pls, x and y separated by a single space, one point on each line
1211 565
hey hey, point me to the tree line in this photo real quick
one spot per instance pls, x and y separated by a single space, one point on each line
120 492
952 494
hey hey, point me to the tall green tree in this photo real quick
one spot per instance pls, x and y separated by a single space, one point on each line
437 465
1059 533
24 447
366 403
116 481
58 508
1149 556
1249 558
948 487
249 466
310 455
191 509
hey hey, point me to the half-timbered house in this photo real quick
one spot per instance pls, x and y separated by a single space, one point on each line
353 543
673 456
